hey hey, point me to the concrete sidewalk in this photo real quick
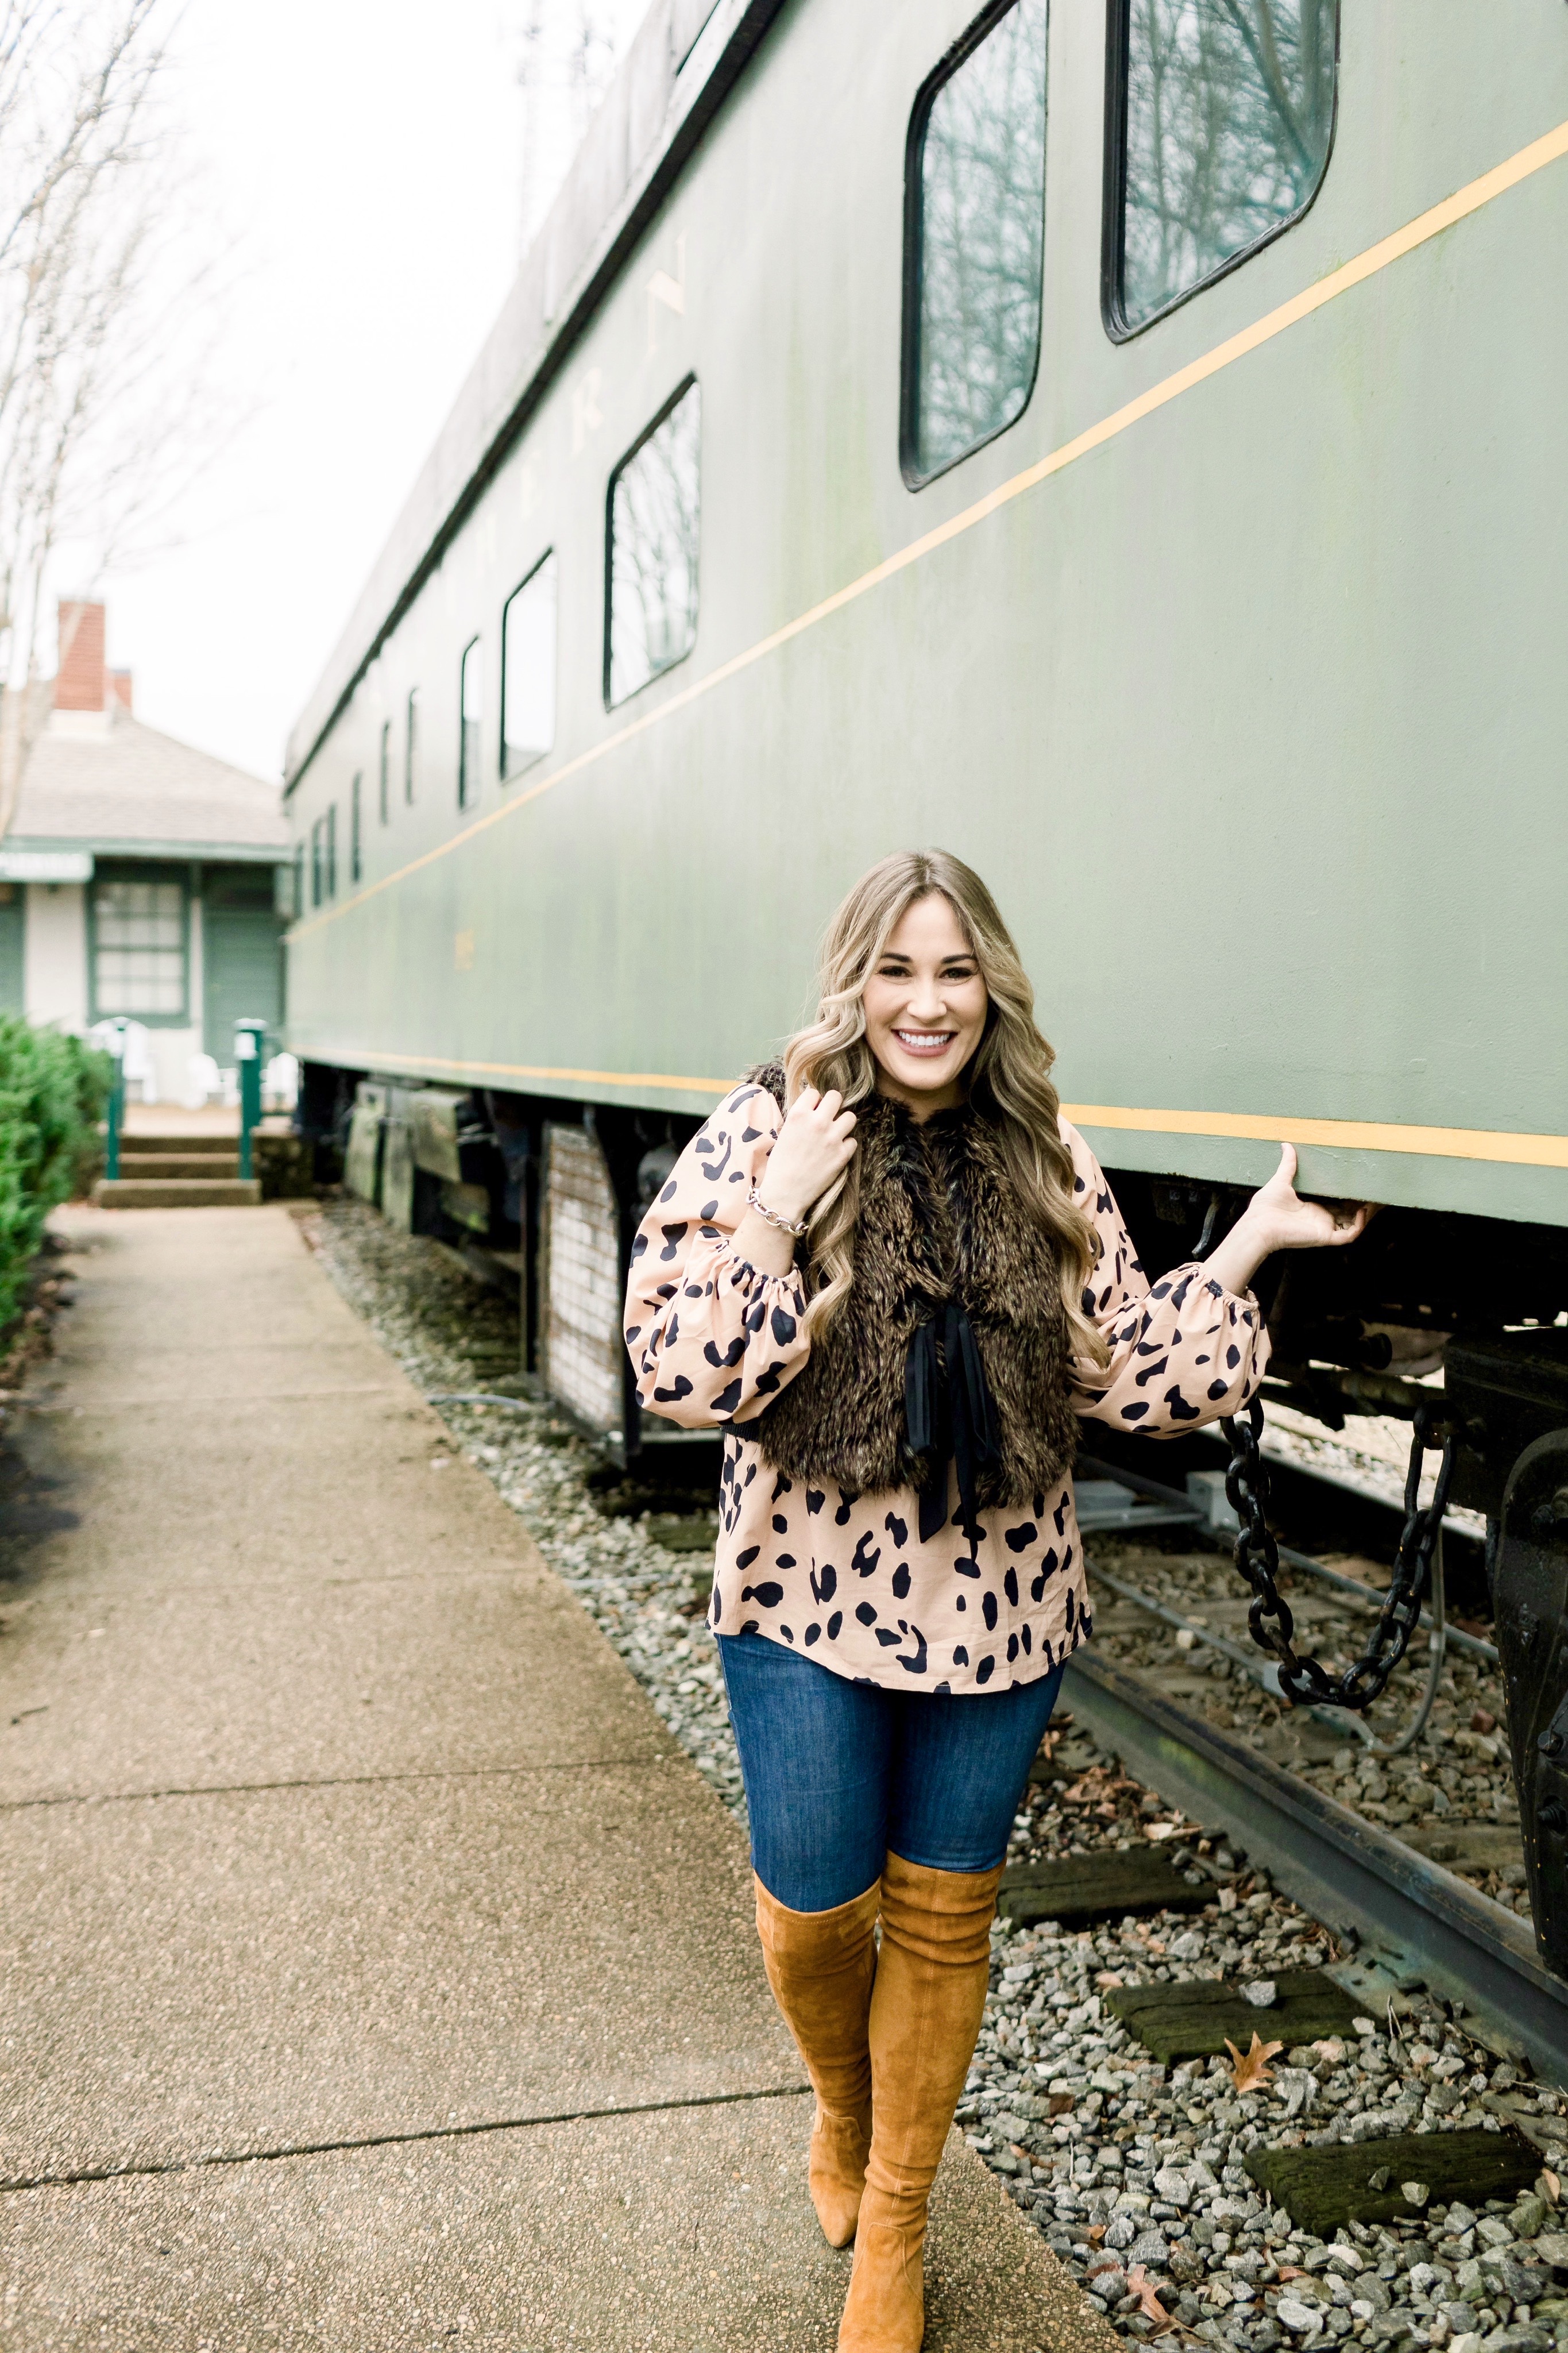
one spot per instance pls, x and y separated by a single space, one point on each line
375 1970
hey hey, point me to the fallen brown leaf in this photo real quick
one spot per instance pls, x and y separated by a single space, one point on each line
1059 2104
1290 2272
1095 2232
1250 2072
1140 2285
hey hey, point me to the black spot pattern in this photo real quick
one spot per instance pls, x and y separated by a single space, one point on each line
1182 1353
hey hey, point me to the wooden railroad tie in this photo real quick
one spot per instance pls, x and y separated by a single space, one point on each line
1367 2180
1195 2021
1345 2182
1098 1886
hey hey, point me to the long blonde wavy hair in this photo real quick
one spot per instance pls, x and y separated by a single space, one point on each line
1009 1078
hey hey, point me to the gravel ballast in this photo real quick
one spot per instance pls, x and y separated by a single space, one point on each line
1132 2171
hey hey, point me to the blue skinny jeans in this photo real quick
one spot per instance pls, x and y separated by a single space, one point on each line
837 1773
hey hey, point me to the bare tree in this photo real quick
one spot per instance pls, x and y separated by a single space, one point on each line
567 54
87 313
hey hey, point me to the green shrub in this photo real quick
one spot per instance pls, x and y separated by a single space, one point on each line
53 1092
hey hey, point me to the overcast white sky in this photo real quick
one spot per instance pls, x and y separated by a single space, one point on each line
365 155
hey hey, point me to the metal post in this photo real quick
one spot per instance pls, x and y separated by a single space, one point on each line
247 1038
116 1100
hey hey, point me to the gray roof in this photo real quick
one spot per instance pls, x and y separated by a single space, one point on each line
135 791
682 63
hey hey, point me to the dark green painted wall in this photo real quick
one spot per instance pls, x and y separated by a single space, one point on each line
242 957
13 939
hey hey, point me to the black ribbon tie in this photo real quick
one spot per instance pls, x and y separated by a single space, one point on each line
950 1417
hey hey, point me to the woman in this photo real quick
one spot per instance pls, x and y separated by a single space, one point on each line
896 1276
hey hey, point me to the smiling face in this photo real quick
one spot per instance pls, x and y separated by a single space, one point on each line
925 1006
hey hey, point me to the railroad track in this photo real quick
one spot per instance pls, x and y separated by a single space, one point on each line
1414 1921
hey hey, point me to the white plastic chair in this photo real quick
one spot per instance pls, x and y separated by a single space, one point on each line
202 1081
281 1083
138 1068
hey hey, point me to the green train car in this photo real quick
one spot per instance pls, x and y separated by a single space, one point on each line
1122 443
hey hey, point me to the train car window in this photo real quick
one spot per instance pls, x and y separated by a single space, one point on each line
318 865
299 906
650 619
471 705
410 741
527 671
356 847
332 850
974 213
1220 118
384 780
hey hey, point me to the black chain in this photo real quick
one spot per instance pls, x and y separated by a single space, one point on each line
1306 1680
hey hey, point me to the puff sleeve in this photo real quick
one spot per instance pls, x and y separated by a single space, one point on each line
1183 1351
710 1337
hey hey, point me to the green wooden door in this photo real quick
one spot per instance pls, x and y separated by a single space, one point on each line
12 920
242 957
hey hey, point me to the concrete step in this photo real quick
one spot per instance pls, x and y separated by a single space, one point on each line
205 1164
177 1192
223 1139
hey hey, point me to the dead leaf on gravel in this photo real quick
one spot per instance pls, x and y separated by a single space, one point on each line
1249 2072
1140 2285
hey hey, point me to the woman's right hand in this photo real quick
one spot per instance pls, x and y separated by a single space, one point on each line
815 1145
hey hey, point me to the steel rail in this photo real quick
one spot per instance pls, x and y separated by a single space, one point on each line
1457 1640
1345 1871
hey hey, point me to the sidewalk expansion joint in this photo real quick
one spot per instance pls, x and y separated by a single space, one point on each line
131 2172
184 1398
339 1781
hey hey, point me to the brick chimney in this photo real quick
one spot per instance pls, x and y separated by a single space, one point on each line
120 690
80 679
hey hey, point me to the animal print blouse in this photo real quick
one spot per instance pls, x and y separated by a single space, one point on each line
844 1578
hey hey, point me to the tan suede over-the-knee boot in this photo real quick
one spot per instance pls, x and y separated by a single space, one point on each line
820 1965
926 2010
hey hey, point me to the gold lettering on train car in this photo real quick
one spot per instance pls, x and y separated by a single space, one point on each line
586 415
670 291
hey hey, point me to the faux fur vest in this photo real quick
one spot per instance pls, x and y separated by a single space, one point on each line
939 1227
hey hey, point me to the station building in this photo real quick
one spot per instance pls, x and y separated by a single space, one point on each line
139 876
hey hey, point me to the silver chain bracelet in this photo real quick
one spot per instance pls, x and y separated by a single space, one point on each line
772 1216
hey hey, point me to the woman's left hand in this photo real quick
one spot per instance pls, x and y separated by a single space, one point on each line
1294 1224
1277 1218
